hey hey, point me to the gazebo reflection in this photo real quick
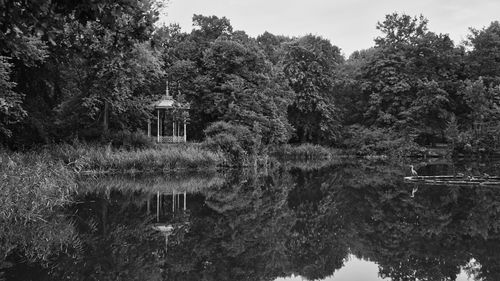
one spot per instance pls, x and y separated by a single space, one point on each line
171 212
163 198
177 202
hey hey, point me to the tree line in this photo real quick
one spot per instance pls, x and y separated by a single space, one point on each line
85 69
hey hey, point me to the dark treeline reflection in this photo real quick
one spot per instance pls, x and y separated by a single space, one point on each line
243 226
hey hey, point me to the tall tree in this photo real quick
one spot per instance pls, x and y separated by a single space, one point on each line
411 81
226 76
309 66
57 49
11 111
484 58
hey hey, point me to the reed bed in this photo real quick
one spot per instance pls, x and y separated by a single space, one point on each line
301 152
192 182
91 158
32 184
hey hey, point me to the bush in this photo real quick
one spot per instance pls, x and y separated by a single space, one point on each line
468 142
236 142
377 141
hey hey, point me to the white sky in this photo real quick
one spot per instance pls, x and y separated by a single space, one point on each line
349 24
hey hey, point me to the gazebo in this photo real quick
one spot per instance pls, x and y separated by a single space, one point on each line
170 114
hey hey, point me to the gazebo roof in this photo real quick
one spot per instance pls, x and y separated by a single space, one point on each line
165 102
168 101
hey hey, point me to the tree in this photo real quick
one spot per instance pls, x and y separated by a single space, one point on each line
74 55
273 46
11 111
348 87
104 83
484 58
309 66
401 30
225 76
412 79
483 111
210 28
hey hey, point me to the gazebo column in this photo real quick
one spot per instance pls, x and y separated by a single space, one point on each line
185 201
173 131
185 137
158 127
178 131
149 127
173 200
158 206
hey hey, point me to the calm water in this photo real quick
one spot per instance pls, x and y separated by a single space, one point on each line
340 222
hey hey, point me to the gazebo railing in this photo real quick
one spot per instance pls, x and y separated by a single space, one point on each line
178 139
168 139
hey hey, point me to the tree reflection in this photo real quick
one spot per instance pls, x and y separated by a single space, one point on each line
253 226
429 237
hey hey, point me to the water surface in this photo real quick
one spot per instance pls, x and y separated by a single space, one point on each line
340 222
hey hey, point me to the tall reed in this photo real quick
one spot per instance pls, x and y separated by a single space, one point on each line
32 187
301 152
84 157
32 184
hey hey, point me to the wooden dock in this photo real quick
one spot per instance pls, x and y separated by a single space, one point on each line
455 180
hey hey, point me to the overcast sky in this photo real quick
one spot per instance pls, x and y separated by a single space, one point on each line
349 24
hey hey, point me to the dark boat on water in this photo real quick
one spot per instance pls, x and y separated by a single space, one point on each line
455 180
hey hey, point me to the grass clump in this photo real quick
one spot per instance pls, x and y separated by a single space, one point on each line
32 187
32 184
301 152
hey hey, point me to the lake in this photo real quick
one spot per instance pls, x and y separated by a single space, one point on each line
344 221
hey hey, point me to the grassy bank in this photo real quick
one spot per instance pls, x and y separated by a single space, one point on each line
93 158
81 158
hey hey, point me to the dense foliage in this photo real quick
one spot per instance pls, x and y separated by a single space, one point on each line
90 69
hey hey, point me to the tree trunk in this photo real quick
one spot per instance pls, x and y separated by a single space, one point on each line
304 135
105 119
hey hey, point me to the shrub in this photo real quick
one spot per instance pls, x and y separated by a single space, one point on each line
236 142
377 141
469 142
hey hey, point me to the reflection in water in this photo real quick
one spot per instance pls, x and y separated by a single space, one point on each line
167 229
318 224
357 269
354 269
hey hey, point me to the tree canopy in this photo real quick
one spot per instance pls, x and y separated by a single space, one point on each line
85 69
